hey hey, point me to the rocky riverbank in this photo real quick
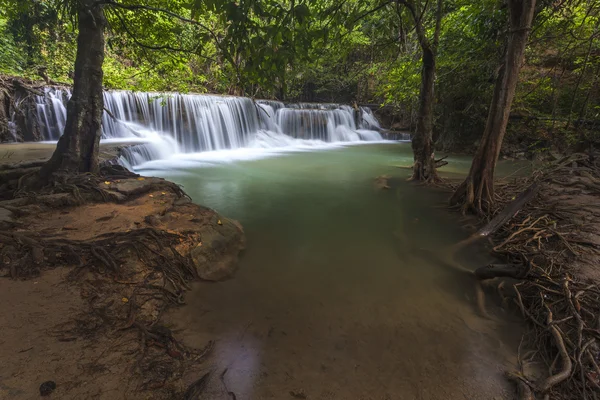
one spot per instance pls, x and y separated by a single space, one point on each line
88 269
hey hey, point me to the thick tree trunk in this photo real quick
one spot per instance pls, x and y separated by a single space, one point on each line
477 191
77 149
422 142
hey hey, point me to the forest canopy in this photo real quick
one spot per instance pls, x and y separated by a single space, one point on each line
336 51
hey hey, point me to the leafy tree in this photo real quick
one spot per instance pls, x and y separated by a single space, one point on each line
477 191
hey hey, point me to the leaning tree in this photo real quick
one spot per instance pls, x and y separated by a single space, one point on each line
477 191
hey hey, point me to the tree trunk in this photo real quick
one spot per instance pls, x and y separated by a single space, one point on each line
477 191
422 141
77 149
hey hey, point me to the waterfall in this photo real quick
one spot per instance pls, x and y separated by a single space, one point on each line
174 123
368 119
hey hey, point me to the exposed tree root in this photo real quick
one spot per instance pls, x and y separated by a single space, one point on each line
425 172
546 244
128 277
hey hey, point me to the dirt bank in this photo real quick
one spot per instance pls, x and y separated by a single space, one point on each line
88 269
551 252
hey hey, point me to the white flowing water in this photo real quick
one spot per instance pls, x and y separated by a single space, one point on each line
173 125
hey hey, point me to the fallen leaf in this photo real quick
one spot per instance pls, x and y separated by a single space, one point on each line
151 195
106 182
125 300
219 222
141 178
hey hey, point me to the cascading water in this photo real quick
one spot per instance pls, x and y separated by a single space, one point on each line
173 123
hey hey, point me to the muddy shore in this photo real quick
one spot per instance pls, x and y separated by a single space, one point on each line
549 252
87 274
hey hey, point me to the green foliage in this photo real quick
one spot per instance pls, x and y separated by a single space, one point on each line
329 50
11 58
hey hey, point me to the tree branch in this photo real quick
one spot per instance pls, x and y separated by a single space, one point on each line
438 25
135 7
418 22
379 7
133 37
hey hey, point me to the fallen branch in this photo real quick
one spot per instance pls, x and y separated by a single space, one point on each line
440 162
509 211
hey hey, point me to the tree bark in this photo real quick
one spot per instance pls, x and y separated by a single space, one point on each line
422 141
77 149
477 191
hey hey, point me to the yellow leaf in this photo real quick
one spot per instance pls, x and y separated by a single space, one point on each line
141 178
219 222
124 299
106 182
163 193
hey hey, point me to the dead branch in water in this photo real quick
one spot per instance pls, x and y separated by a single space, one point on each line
506 214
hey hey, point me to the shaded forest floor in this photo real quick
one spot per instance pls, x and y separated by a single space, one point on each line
88 268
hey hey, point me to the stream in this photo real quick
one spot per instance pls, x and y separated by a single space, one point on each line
342 292
334 298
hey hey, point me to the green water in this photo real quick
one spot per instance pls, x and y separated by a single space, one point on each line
334 298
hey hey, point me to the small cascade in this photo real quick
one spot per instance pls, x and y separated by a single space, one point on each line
328 125
172 123
52 112
368 120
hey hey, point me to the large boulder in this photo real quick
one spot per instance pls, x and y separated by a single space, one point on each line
216 257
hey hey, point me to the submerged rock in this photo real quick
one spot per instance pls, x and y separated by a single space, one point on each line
216 257
381 182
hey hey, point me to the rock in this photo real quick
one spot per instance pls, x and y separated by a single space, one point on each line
152 220
298 394
47 388
6 216
216 257
381 182
133 187
182 201
117 197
